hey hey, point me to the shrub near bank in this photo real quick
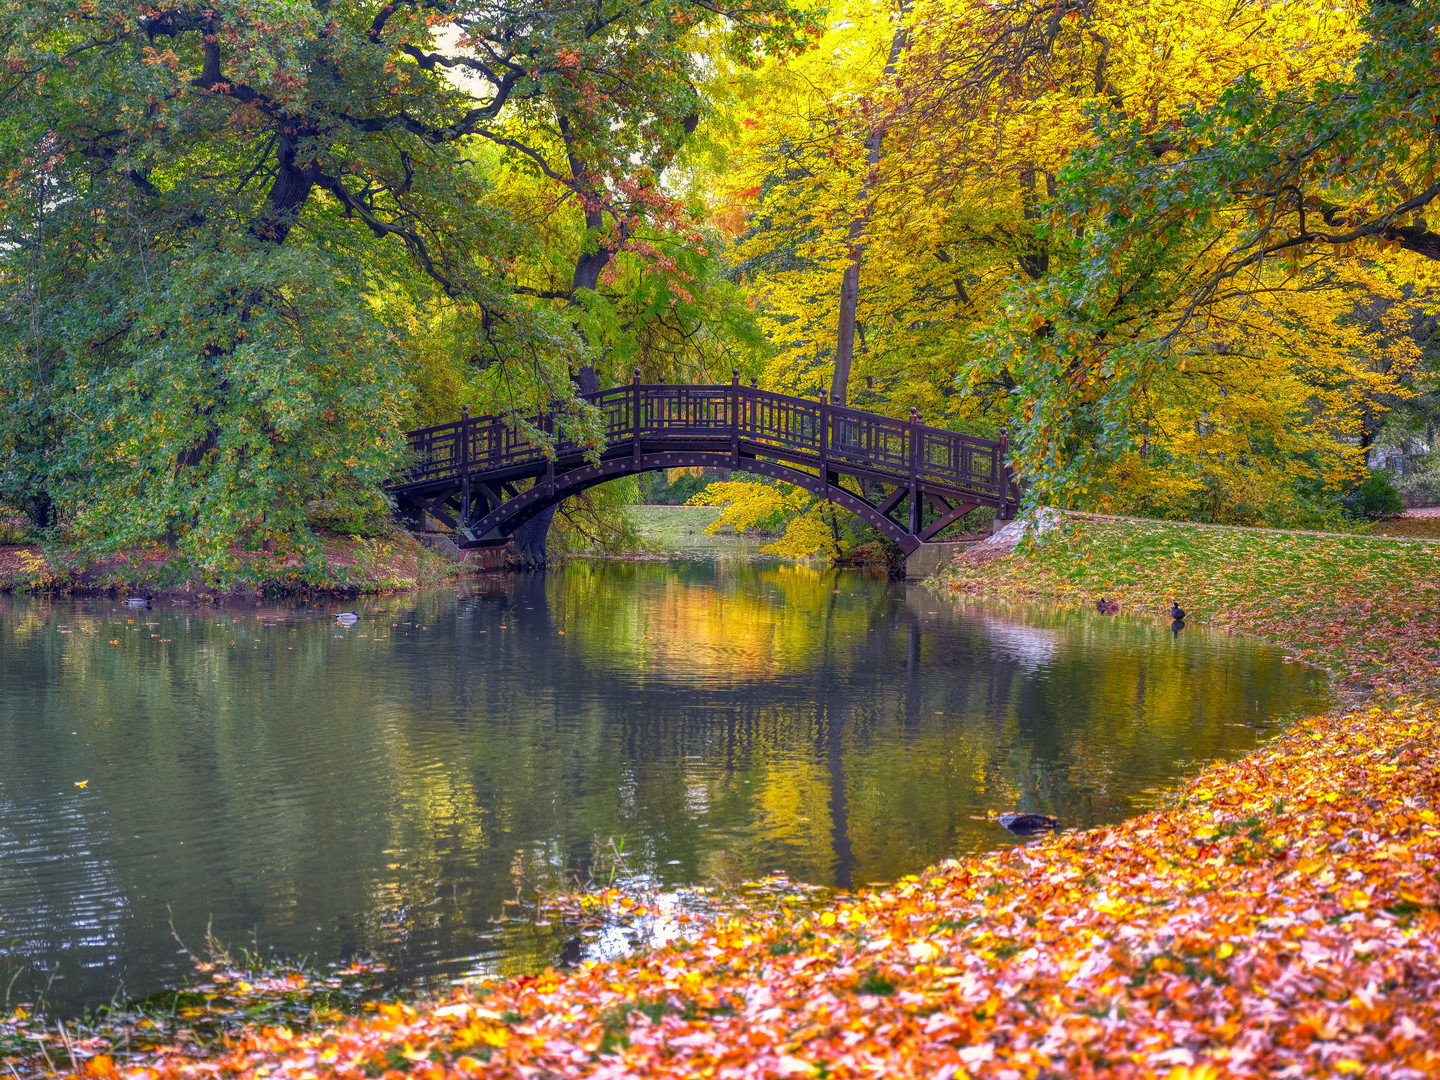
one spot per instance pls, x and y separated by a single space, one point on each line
343 565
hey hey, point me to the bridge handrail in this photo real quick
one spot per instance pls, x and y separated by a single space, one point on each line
760 420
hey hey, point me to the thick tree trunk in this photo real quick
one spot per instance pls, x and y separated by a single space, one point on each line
41 510
530 541
850 281
292 186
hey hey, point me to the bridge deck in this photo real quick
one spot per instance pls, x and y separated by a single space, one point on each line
465 465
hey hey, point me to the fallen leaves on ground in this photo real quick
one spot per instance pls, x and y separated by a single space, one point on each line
1428 527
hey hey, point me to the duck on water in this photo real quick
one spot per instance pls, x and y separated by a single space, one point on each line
1027 824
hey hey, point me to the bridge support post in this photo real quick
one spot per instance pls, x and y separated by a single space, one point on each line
929 559
914 472
635 414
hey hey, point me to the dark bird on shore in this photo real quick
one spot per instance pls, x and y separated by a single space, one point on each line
347 618
1101 605
1176 611
138 601
1027 824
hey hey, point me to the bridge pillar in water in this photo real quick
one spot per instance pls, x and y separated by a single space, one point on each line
926 560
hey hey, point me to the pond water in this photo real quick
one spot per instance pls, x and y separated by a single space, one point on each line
382 789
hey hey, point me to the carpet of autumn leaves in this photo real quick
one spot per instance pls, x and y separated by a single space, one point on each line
1280 918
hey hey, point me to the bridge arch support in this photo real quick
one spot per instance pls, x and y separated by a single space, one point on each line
500 523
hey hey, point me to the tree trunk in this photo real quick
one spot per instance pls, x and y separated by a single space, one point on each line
1035 258
530 541
850 281
41 510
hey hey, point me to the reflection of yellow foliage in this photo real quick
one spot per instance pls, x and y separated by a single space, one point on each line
762 623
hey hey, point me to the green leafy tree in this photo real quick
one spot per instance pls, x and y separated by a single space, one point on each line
208 200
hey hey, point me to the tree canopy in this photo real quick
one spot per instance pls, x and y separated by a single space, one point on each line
1172 246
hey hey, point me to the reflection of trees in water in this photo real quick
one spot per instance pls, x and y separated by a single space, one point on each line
387 787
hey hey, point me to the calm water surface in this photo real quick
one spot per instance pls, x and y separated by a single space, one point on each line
382 789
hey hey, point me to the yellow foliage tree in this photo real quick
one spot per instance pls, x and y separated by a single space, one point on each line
809 524
1251 410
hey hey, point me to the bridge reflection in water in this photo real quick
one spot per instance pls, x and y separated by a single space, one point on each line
485 477
388 786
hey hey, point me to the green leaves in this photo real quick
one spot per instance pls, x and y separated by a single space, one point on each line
227 224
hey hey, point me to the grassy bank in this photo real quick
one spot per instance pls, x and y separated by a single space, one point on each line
1280 917
1365 608
671 527
682 529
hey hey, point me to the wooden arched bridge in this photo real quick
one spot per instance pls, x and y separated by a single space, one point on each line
483 478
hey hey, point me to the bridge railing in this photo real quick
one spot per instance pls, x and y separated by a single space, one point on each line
816 432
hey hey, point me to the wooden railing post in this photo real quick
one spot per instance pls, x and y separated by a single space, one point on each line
735 418
463 459
548 421
914 472
635 414
1002 474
